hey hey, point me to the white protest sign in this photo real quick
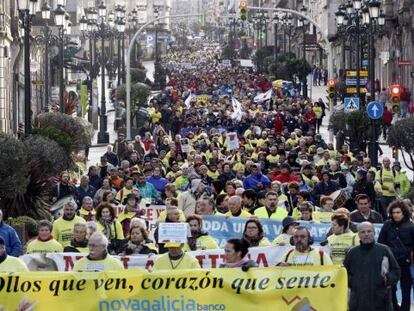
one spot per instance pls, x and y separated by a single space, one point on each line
173 232
232 141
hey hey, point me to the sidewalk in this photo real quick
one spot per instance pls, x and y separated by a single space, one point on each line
96 151
320 92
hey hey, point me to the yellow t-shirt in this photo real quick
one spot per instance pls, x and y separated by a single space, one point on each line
340 244
108 264
309 258
63 229
163 262
272 159
156 117
203 242
38 246
13 264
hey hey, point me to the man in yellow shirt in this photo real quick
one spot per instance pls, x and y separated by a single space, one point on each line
342 238
386 177
63 226
10 263
303 254
271 209
235 208
98 258
175 259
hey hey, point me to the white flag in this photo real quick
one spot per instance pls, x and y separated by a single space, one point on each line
237 108
188 100
263 96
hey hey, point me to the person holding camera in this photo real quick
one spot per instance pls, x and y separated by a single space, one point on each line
303 254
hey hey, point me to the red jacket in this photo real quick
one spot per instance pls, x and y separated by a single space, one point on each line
278 124
387 117
285 178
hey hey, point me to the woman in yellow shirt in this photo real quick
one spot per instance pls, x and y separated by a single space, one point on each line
44 243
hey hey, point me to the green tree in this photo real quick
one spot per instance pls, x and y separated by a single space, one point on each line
138 75
352 128
139 96
401 135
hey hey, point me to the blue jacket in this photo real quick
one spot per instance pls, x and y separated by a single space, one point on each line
81 193
148 191
251 181
158 182
13 244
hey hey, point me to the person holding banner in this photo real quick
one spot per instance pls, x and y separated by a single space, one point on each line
253 233
175 259
199 240
303 254
138 243
98 258
44 243
10 263
235 255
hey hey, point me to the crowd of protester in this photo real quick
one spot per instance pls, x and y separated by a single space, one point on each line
282 169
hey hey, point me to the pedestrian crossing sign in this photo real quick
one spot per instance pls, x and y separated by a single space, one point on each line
351 104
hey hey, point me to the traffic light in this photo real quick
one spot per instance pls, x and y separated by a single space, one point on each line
243 10
395 93
331 88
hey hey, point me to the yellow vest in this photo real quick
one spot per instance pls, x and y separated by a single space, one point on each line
340 244
13 264
279 214
203 242
163 262
63 229
322 217
108 264
115 225
386 178
38 246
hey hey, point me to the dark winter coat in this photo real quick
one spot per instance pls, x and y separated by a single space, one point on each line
368 289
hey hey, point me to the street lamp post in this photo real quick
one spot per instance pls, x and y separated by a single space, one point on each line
60 16
120 29
275 22
46 39
27 9
303 23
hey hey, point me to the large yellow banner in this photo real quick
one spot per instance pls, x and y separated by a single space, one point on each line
293 289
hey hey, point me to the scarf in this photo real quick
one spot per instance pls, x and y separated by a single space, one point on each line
83 243
107 227
133 248
236 264
131 209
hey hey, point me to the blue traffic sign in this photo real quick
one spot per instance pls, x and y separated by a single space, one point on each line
351 104
375 110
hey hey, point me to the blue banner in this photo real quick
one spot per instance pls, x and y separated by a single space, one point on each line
224 228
